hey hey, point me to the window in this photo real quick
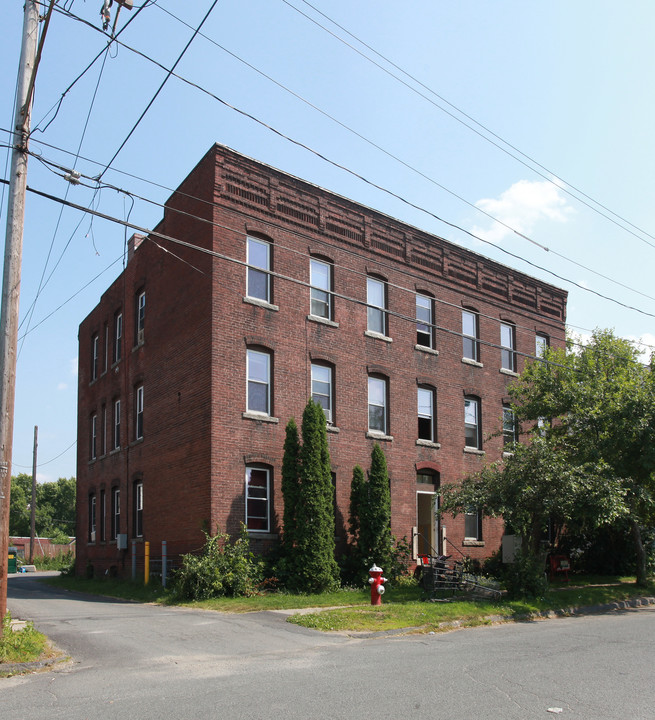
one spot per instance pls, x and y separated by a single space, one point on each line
473 524
427 477
257 498
138 509
140 316
106 354
322 388
118 337
377 305
115 513
377 404
541 344
473 436
426 423
320 279
117 425
470 338
424 322
139 413
95 357
103 516
259 382
94 437
92 518
103 431
259 265
510 428
507 342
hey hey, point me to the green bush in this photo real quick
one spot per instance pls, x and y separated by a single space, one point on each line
525 577
223 568
61 561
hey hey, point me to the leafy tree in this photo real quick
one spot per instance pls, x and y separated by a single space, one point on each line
603 402
538 485
290 484
314 568
370 518
55 507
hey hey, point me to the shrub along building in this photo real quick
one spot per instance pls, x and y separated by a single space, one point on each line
256 291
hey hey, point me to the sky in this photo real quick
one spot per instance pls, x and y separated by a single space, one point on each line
527 127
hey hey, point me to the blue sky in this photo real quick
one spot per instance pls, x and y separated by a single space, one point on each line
516 109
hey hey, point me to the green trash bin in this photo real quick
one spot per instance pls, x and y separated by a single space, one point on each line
13 560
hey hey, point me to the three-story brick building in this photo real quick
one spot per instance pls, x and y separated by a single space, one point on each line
255 292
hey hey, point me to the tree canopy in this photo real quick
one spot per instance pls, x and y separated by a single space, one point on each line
591 461
55 507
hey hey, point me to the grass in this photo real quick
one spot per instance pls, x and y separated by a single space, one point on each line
24 645
403 605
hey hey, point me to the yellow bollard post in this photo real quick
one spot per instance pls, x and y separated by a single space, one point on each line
146 566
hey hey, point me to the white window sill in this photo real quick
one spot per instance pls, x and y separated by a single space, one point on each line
507 454
511 373
377 336
428 443
322 321
260 303
332 429
262 417
473 451
471 542
376 435
262 535
426 349
472 363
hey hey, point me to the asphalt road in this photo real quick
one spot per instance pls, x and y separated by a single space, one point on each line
137 662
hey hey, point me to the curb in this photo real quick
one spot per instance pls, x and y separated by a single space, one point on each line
9 669
546 615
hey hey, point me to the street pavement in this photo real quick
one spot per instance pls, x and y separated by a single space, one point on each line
137 662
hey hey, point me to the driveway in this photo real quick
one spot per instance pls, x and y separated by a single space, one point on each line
134 661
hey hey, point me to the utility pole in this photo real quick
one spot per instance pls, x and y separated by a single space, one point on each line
12 273
33 505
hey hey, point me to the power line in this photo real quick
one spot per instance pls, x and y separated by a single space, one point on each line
399 197
549 176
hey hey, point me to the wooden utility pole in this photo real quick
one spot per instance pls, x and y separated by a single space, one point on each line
12 273
33 504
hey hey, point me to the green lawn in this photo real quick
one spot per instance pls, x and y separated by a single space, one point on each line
21 645
403 606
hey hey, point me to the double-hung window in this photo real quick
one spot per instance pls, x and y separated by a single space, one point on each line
320 279
92 518
103 516
118 337
473 524
257 499
507 347
95 356
376 299
259 382
470 336
472 429
377 404
424 321
140 316
426 421
322 389
510 427
94 437
138 509
115 513
139 413
117 425
540 345
259 265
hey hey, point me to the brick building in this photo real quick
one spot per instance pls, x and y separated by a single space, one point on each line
256 291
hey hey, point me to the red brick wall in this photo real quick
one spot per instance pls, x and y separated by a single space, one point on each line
198 326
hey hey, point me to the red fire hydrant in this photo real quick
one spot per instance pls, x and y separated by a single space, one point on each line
377 584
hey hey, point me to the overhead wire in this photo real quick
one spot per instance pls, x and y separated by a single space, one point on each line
375 185
563 184
152 233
